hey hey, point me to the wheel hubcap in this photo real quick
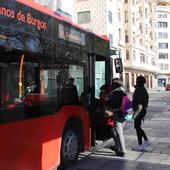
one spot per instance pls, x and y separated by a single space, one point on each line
70 146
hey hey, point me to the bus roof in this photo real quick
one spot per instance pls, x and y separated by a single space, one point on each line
49 12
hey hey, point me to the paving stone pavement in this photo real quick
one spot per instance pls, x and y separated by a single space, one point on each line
155 157
96 163
158 131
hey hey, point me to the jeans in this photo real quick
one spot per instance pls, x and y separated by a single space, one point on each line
119 137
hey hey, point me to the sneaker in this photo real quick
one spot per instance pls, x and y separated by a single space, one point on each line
113 148
138 148
147 143
120 154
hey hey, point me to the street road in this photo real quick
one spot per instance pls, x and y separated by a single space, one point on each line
156 157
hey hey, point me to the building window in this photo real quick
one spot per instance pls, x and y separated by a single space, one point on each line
119 15
133 20
151 47
150 21
163 55
134 55
162 16
163 45
134 38
126 16
162 24
127 55
141 41
133 79
142 58
140 27
61 12
151 36
153 62
133 2
126 36
163 66
84 17
110 16
111 39
120 34
146 13
140 11
162 35
146 28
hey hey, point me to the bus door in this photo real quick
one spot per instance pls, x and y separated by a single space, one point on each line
102 75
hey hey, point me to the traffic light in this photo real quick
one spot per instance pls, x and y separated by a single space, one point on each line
118 65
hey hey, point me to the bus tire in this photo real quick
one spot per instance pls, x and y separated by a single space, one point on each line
69 147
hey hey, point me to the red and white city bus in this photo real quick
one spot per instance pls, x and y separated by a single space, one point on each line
40 126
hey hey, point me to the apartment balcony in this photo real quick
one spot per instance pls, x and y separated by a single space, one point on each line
136 65
164 2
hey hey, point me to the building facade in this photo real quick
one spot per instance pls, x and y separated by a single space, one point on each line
51 4
140 42
130 26
99 16
54 5
163 43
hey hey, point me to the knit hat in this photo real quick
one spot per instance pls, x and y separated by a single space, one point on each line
116 82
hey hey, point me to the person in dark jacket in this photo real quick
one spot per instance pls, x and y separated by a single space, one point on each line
69 93
114 102
105 92
140 97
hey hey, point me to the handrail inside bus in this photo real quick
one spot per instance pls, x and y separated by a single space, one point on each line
20 76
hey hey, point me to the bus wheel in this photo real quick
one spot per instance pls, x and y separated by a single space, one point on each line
69 148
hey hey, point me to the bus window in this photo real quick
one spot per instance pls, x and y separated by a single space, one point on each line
41 88
53 79
100 76
79 82
4 90
9 84
77 73
31 77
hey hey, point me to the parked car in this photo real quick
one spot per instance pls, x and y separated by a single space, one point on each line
167 87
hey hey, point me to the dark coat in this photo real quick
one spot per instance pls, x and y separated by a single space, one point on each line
115 99
140 96
70 94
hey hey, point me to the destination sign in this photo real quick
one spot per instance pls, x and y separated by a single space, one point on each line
23 17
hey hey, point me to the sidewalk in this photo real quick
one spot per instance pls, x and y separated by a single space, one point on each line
156 156
158 131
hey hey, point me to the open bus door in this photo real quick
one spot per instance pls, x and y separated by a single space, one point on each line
101 74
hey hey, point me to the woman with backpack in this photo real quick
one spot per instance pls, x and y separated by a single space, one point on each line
114 103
